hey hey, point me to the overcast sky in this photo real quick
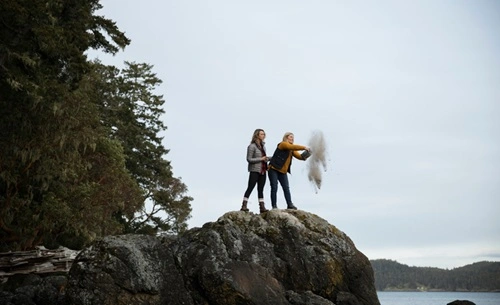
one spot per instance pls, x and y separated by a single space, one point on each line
406 94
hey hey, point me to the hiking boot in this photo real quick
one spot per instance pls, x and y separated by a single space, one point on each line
262 208
291 207
244 206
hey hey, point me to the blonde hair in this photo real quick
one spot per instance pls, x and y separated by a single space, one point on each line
286 135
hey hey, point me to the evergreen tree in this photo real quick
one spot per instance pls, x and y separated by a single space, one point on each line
55 157
132 111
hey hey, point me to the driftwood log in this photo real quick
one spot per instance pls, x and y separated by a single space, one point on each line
38 261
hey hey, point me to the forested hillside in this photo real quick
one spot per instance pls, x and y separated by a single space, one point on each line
391 275
80 151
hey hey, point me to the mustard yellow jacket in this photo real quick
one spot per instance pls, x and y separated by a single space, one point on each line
293 148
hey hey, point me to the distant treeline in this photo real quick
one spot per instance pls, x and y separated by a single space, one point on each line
391 275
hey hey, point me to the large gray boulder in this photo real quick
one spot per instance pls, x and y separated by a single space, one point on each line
279 257
461 302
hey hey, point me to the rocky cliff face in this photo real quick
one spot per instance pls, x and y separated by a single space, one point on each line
279 257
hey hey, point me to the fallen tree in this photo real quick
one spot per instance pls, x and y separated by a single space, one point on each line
38 261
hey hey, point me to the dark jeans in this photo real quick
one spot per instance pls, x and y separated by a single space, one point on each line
260 180
274 177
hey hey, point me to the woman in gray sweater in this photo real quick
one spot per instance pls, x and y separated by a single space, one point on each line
257 167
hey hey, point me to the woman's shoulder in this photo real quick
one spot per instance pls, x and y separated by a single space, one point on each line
287 146
284 145
252 145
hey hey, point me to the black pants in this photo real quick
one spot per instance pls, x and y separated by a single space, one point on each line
260 180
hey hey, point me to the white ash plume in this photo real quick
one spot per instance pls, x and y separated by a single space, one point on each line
317 161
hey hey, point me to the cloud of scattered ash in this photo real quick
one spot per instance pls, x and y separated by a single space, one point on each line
317 162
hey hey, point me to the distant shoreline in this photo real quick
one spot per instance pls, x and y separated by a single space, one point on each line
435 290
477 277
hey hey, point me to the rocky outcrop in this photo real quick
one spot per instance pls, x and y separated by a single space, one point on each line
461 302
279 257
34 289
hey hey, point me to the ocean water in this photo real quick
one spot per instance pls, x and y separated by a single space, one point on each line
437 298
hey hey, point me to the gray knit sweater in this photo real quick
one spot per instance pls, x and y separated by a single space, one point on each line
254 157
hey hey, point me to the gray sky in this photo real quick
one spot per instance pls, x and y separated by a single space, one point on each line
406 94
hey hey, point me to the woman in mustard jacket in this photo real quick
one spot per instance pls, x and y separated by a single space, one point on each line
280 165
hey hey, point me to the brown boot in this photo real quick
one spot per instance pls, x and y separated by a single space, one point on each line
262 207
244 206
